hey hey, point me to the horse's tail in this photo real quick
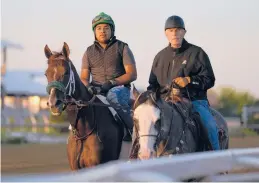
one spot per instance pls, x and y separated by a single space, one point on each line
79 154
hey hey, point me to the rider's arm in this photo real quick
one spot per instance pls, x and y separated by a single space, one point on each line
129 66
203 75
153 83
85 70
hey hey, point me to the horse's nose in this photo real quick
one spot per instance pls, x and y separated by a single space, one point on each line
51 105
146 154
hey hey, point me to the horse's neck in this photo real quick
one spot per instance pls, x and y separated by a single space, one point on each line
81 92
84 94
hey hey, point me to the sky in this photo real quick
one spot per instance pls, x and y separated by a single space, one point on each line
228 31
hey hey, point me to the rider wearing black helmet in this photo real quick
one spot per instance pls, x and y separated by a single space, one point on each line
189 67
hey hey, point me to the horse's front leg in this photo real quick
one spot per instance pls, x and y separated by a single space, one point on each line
72 152
92 150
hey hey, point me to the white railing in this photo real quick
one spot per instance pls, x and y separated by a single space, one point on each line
173 168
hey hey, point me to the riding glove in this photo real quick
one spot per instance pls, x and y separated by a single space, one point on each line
182 81
92 90
107 86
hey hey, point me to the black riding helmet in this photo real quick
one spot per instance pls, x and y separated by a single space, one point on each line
174 22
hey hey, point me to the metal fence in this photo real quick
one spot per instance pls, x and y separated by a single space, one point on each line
173 168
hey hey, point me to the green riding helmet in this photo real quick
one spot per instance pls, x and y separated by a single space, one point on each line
103 18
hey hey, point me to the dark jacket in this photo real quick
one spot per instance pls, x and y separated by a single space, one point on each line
106 64
189 60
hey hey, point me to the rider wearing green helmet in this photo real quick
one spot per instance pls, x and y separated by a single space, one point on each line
103 18
112 66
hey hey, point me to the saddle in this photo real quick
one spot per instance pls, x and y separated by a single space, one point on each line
114 113
171 114
193 120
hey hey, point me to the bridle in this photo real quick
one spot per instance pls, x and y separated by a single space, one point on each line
136 140
69 90
70 102
159 136
135 106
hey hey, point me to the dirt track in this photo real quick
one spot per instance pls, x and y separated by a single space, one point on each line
42 158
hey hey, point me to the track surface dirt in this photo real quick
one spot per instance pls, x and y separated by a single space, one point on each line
51 158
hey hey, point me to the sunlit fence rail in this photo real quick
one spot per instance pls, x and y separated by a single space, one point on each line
174 168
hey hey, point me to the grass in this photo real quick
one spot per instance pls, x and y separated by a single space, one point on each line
249 132
5 138
241 132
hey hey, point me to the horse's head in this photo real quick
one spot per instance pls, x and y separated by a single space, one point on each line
60 76
153 122
146 121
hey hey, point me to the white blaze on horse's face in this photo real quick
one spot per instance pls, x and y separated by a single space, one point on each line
147 115
52 97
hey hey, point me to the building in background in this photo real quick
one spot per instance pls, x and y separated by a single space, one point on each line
23 93
5 45
25 89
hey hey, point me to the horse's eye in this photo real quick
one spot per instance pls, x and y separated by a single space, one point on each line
45 74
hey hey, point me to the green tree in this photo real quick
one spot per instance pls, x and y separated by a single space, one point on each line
232 101
244 98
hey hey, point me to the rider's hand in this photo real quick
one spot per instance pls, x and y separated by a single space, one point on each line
106 86
182 81
92 90
176 91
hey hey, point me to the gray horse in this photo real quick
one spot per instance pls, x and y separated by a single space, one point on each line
164 128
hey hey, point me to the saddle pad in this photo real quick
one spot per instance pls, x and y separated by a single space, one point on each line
104 100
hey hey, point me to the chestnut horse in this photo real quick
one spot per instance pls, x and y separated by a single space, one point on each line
95 137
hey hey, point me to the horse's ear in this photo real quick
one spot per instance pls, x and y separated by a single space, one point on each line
47 51
66 50
135 92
